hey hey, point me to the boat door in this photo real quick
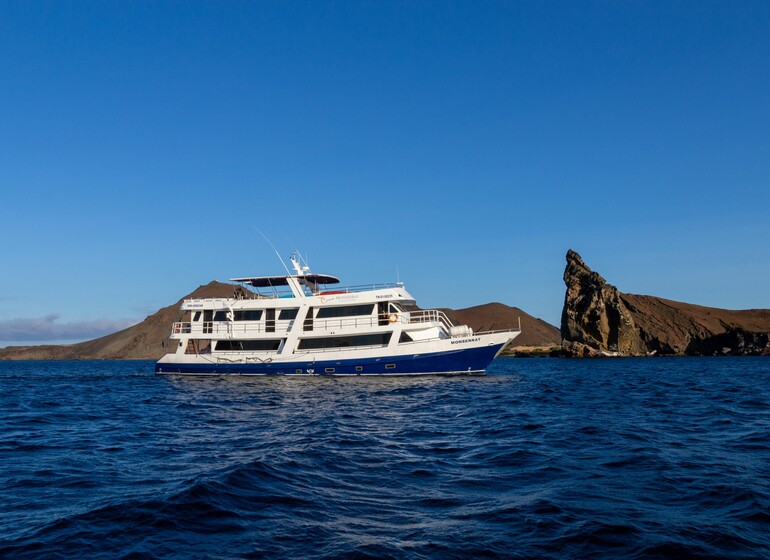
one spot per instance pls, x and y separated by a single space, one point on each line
382 313
208 318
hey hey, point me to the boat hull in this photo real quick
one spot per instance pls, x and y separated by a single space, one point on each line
456 361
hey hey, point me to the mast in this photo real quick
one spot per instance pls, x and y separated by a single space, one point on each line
296 282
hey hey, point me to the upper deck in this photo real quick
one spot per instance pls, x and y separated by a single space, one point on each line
369 293
313 289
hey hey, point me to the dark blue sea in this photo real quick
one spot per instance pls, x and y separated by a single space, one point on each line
541 458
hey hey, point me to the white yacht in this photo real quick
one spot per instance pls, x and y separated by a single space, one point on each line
297 325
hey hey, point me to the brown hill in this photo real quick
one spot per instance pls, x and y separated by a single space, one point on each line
149 340
497 316
599 319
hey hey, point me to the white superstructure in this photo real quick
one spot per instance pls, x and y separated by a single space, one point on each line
296 324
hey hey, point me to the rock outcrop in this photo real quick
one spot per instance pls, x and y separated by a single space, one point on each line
597 320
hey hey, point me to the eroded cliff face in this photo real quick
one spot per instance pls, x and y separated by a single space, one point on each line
597 319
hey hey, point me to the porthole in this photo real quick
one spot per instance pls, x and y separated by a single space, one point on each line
329 370
359 368
390 366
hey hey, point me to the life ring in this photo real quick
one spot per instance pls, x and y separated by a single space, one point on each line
393 317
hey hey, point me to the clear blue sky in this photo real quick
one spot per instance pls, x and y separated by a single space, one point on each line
467 145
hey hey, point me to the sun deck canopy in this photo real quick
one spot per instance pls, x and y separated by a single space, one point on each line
272 281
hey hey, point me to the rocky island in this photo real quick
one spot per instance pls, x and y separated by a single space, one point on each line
599 320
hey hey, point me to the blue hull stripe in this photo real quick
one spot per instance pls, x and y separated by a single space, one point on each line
472 360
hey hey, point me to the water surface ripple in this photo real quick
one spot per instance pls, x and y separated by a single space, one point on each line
542 458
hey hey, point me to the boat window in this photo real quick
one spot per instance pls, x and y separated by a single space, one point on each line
220 316
287 314
308 326
237 345
197 316
248 315
379 339
347 311
197 346
270 320
405 338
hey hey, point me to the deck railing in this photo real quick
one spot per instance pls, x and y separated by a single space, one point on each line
360 288
234 328
428 316
286 293
226 328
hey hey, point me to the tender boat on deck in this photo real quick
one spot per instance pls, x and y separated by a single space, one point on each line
300 327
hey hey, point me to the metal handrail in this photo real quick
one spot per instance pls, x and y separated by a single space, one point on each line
360 288
342 323
428 316
256 327
518 330
230 327
283 294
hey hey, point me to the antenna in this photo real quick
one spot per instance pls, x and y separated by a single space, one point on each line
300 262
277 254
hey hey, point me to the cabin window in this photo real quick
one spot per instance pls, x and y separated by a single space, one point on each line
287 314
405 338
270 320
248 345
308 326
197 316
248 315
379 339
347 311
197 346
220 316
